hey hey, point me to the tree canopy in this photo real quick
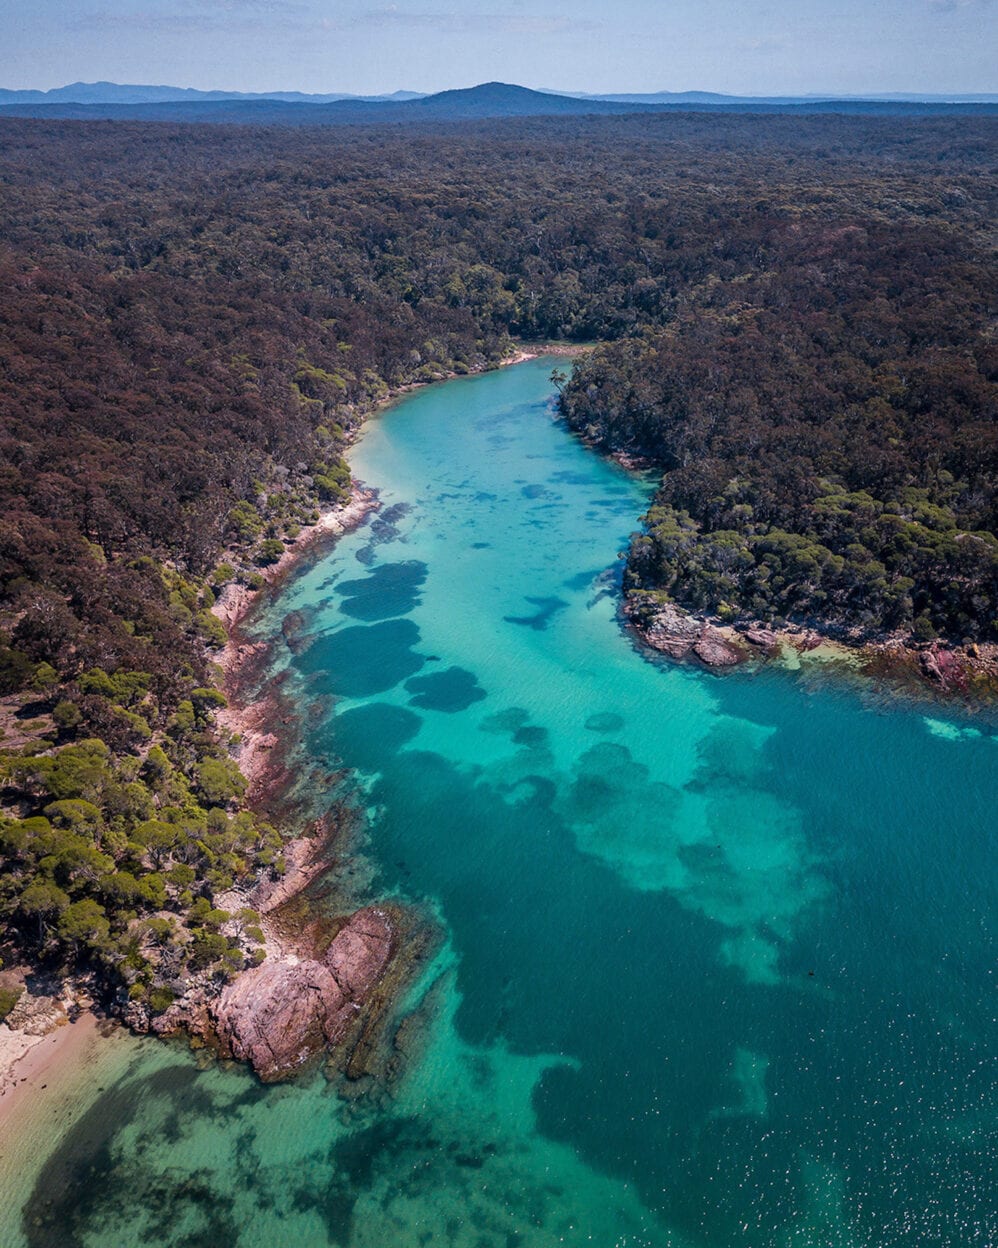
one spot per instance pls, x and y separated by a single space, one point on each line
797 324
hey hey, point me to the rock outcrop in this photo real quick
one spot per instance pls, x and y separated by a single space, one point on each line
278 1015
673 631
764 638
668 629
305 858
716 650
943 667
37 1015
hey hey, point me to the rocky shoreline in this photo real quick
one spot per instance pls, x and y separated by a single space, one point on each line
324 980
280 1015
932 667
325 977
321 980
316 974
311 988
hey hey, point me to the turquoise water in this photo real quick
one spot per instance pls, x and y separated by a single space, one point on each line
718 953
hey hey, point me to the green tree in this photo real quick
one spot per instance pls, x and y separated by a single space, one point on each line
45 901
84 923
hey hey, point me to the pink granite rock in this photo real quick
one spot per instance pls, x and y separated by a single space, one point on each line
279 1014
715 650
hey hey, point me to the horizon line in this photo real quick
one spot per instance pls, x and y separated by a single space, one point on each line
811 94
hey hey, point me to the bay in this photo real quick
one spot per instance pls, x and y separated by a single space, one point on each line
717 953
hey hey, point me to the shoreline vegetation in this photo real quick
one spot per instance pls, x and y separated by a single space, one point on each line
815 487
267 1028
933 669
926 670
51 1030
193 332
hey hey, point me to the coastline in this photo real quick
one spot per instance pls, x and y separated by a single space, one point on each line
310 987
371 951
255 718
930 670
367 954
352 952
30 1064
241 660
236 600
937 670
56 1081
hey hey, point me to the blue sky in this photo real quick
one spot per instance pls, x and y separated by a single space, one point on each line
366 46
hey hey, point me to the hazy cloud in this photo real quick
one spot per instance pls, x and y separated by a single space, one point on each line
196 18
465 23
766 44
367 46
234 16
953 6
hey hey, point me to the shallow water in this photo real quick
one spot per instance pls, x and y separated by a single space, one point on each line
718 952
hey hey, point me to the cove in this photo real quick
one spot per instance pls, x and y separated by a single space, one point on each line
716 952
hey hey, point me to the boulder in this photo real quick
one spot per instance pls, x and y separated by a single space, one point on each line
930 667
764 638
943 667
36 1015
672 631
714 649
359 952
279 1014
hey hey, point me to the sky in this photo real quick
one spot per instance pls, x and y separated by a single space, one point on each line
773 47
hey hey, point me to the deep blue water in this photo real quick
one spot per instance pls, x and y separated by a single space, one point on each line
719 952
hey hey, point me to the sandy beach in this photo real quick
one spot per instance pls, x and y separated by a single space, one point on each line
48 1083
31 1066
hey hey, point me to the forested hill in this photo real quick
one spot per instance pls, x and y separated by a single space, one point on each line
488 99
829 443
800 319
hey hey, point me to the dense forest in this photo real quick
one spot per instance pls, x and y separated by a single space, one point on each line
827 430
797 319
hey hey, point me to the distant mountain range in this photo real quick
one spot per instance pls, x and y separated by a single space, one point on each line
712 97
125 93
108 100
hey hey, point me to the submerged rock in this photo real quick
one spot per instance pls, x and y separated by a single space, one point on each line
764 638
294 628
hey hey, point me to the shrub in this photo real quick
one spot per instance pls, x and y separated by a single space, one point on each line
67 715
270 551
160 999
9 997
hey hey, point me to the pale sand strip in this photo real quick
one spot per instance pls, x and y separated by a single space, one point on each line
55 1079
31 1065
